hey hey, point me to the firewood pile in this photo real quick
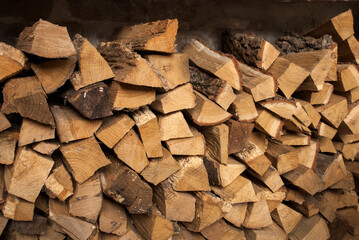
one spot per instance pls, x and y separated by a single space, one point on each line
134 140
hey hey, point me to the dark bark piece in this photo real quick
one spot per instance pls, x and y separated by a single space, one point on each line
92 101
238 135
348 50
36 226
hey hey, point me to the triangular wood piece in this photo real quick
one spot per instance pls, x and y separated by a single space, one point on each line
318 98
350 123
326 145
243 108
335 111
295 139
313 227
311 112
167 129
269 123
217 142
4 123
325 130
348 77
113 218
307 155
348 50
8 142
46 147
270 178
237 214
18 209
273 232
13 61
286 217
284 158
329 204
330 169
238 135
32 131
258 215
222 230
282 107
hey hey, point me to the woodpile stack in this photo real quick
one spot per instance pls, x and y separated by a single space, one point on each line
133 140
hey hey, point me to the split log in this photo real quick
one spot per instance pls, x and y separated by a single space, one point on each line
258 215
236 214
18 209
250 49
347 183
8 141
26 97
216 89
310 205
113 218
3 222
46 147
350 151
47 40
329 204
156 36
348 50
125 186
294 195
114 128
259 139
353 95
352 217
269 123
307 155
4 123
175 206
301 115
326 145
270 178
128 66
131 151
289 75
184 234
286 217
221 65
13 61
261 86
217 142
318 98
32 131
243 108
222 230
173 125
209 209
174 68
51 234
161 168
274 199
168 102
347 199
282 107
348 77
313 227
284 158
71 126
335 111
36 227
192 176
271 232
53 73
238 135
206 112
330 169
349 123
147 124
83 158
92 101
325 130
311 112
24 181
295 139
340 27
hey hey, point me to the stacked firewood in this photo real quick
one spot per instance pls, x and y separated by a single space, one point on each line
133 140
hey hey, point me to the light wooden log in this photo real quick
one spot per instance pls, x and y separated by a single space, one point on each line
238 135
348 77
350 151
310 205
243 108
271 232
348 50
311 111
258 215
184 234
326 145
173 125
335 111
313 227
348 137
274 199
286 217
325 130
295 139
280 106
269 123
46 147
4 122
113 218
8 141
222 230
347 183
32 131
270 178
13 61
347 199
284 158
217 142
349 123
307 155
18 209
236 214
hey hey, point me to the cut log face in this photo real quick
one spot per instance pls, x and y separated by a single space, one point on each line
114 128
168 102
59 183
307 155
147 124
36 227
32 131
329 204
330 169
352 217
321 97
350 123
222 230
46 147
335 111
340 27
128 66
348 77
113 218
310 205
71 126
25 182
286 217
325 130
312 227
156 36
175 206
284 158
222 66
269 123
215 89
125 96
348 50
237 214
51 234
192 176
18 209
243 108
83 158
271 232
53 74
270 178
8 141
311 112
47 40
250 49
173 125
258 215
238 135
92 102
353 95
4 123
26 97
217 142
13 61
282 107
295 139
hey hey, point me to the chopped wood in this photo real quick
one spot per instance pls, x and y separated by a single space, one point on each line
351 151
217 142
284 158
353 95
92 101
238 135
347 199
192 176
348 137
51 234
175 206
168 102
348 77
274 199
222 230
310 205
258 215
347 183
18 209
156 36
206 112
243 108
2 185
184 234
83 158
307 155
161 168
282 107
32 131
188 146
250 49
313 227
301 115
53 73
289 75
326 145
209 209
261 86
71 126
154 225
13 61
286 217
335 111
352 216
236 214
259 139
348 50
45 39
26 97
24 181
221 65
42 203
216 89
271 232
305 179
325 130
329 204
35 227
318 98
349 124
174 68
125 186
270 178
46 147
113 218
294 195
330 169
3 222
269 123
8 141
173 125
223 175
114 128
311 112
4 123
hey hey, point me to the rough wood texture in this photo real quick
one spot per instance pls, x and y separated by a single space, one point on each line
18 209
307 155
270 178
280 106
250 49
271 232
4 123
13 61
8 141
237 214
258 215
124 186
350 124
92 101
238 135
348 77
113 218
26 97
149 129
59 183
330 169
311 112
221 65
53 74
36 227
284 158
348 50
46 147
72 126
335 111
168 102
313 227
269 123
83 158
32 131
318 98
23 181
286 217
184 234
325 130
192 176
326 145
174 68
346 183
294 139
352 216
217 142
222 230
51 234
173 125
156 36
215 89
329 204
128 66
243 108
114 128
175 206
47 40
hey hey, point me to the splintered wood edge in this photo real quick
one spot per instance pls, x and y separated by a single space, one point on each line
265 48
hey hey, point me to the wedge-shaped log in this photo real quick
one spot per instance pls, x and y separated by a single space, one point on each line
286 217
258 215
173 125
313 227
348 77
270 178
335 111
222 230
330 169
295 139
237 214
4 123
318 98
18 209
8 141
113 218
348 50
350 123
243 108
217 142
307 155
271 232
280 106
238 135
284 158
13 61
32 131
269 123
